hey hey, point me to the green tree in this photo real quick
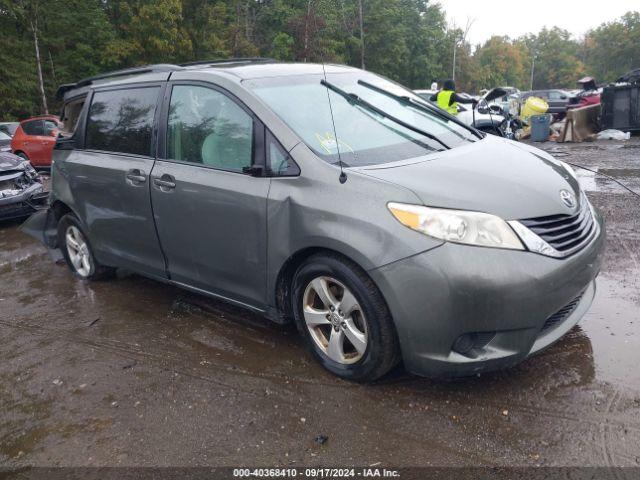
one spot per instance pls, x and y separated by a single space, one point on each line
500 62
282 47
405 40
148 31
207 24
71 37
613 48
557 58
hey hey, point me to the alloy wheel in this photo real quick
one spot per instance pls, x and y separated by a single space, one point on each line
78 251
335 320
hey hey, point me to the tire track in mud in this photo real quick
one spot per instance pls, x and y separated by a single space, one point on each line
163 359
130 351
605 430
133 352
608 437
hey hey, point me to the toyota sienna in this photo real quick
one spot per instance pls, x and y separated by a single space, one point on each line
330 197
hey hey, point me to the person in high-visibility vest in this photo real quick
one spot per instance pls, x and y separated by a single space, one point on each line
447 98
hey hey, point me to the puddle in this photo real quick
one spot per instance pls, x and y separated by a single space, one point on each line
587 180
613 325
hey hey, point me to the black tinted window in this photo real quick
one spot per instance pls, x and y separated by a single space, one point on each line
34 127
122 120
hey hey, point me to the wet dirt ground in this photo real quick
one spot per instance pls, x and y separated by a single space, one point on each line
134 372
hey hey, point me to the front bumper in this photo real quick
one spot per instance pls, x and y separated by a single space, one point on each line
503 295
23 204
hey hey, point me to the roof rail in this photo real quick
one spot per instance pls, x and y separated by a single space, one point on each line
160 67
222 61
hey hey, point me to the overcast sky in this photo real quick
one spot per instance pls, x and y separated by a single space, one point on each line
518 17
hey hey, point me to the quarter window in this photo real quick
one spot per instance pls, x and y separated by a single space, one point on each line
121 121
207 127
278 160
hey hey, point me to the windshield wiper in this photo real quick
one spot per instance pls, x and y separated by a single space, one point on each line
356 100
408 101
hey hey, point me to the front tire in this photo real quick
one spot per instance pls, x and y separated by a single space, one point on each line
344 319
77 252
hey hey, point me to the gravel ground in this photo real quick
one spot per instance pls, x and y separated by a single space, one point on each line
134 372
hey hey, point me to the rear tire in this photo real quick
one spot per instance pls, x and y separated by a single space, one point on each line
343 318
77 252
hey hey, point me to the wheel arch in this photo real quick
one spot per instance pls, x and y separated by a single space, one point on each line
59 209
287 270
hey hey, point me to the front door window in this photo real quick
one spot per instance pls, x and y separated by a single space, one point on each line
207 127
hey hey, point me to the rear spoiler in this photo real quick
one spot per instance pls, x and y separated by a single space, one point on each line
62 89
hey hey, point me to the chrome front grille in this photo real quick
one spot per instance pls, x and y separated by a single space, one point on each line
566 234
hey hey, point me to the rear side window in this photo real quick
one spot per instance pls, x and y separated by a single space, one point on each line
121 121
35 127
208 128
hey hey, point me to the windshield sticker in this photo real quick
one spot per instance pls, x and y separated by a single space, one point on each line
330 145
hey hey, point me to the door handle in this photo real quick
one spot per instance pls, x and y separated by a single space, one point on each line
165 182
136 177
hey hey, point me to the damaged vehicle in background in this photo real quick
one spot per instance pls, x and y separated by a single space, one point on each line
9 127
492 116
21 193
383 227
5 142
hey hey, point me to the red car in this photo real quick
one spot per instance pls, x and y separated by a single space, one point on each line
34 139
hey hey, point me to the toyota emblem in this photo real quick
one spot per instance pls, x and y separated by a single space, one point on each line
568 198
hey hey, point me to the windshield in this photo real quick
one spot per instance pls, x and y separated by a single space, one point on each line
4 136
375 128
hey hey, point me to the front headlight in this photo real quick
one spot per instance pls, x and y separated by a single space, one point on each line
470 228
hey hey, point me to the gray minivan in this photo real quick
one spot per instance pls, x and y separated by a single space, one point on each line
331 197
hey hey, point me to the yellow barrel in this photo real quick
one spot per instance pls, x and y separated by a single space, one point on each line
533 106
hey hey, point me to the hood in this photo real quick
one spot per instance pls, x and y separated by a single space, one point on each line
509 179
494 93
11 162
